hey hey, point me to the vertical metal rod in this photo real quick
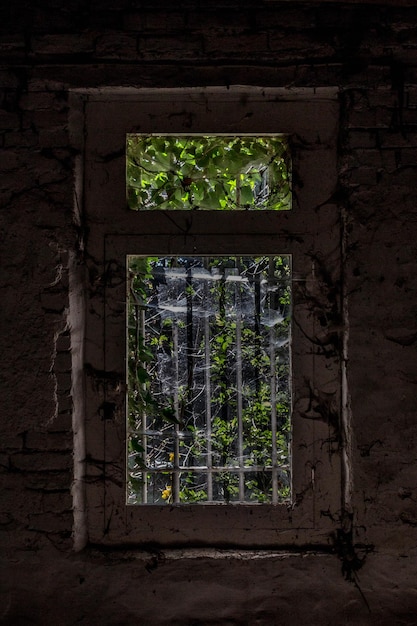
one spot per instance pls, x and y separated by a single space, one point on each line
224 382
207 384
239 385
257 315
141 335
188 407
176 474
272 374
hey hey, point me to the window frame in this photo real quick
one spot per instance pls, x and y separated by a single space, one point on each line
310 232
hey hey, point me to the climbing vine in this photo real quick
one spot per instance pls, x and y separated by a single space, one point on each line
208 347
210 172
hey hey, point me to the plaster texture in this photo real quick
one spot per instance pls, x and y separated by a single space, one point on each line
365 572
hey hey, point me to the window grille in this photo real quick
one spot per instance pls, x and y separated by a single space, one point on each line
209 379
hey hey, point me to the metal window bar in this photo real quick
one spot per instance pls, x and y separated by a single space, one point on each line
144 438
207 383
176 460
272 365
198 338
239 384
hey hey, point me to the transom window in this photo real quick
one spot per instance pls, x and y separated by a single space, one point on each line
208 173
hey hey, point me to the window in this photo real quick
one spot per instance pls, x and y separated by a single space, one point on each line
209 394
214 173
180 257
209 380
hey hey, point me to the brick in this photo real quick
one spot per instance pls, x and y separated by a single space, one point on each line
170 47
65 403
46 171
407 54
98 6
397 139
364 176
12 46
390 159
116 46
42 101
211 20
11 441
7 521
409 117
372 157
8 79
408 156
405 177
21 139
106 19
41 462
52 19
62 44
61 441
283 17
4 462
62 362
364 118
57 502
55 138
9 160
383 97
237 43
18 178
49 481
298 46
63 343
51 522
63 381
134 21
53 301
19 500
411 96
48 119
170 19
9 121
63 420
362 139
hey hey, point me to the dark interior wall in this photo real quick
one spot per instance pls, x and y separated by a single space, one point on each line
368 51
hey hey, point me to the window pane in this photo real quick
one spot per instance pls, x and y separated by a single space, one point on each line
208 173
209 379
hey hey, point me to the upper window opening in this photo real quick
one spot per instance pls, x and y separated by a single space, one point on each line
221 173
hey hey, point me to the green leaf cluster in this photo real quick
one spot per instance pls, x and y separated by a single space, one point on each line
208 173
173 412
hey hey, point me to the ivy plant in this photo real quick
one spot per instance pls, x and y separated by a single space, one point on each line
204 336
208 173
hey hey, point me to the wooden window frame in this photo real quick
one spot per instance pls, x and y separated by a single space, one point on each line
310 232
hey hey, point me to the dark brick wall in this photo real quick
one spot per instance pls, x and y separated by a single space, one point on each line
368 50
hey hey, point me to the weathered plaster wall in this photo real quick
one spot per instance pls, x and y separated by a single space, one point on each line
369 51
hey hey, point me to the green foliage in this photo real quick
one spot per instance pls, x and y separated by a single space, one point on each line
162 412
208 172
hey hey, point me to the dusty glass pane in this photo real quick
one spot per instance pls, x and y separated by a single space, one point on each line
209 379
207 173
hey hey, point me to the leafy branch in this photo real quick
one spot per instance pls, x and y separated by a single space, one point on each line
208 172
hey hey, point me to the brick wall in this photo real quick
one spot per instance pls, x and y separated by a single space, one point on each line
368 50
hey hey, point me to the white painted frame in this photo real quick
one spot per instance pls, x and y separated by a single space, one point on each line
310 232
